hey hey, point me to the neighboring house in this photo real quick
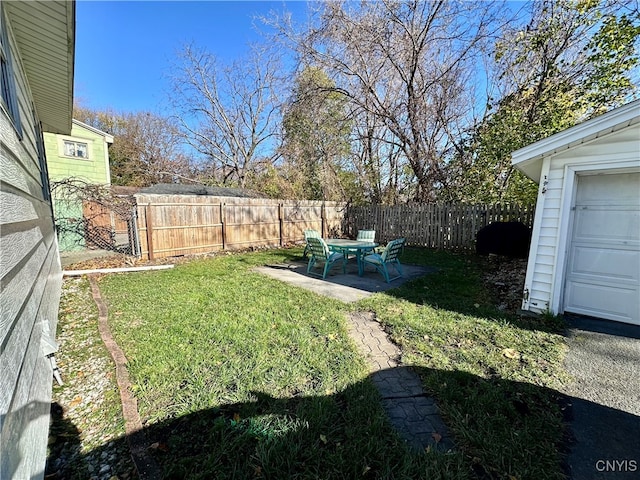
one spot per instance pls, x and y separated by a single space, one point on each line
36 63
585 248
81 155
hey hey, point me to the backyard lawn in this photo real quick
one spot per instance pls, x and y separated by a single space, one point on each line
238 375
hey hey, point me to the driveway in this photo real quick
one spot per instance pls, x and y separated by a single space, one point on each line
604 360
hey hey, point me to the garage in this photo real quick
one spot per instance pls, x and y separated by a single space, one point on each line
604 262
585 246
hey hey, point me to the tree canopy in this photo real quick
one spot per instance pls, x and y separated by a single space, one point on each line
386 102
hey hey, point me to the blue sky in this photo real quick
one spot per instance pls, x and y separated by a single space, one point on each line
124 49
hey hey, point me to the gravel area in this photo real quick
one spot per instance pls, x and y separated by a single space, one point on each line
603 363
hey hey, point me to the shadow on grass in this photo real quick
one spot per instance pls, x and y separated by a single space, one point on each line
502 429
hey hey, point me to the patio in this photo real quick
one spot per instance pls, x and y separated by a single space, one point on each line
347 287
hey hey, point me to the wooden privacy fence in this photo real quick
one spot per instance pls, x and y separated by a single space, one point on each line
172 225
446 226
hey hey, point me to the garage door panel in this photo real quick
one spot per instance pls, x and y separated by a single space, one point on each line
620 189
603 270
605 265
591 225
603 301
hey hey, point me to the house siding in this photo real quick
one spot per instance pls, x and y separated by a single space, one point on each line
30 279
545 272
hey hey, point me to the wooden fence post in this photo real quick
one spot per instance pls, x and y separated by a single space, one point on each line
149 225
224 233
281 223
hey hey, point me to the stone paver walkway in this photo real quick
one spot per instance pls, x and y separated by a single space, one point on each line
414 415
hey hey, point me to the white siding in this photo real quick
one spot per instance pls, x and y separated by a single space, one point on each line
547 257
30 278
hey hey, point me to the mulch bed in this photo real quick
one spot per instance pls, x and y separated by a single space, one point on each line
504 279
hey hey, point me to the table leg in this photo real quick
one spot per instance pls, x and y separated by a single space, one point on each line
361 253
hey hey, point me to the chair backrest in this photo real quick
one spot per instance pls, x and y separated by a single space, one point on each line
366 235
318 247
392 250
311 234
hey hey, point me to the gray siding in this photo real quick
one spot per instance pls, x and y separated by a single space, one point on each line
30 279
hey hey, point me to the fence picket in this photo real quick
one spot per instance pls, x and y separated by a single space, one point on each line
432 225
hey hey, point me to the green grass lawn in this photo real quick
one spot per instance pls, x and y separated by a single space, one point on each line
241 376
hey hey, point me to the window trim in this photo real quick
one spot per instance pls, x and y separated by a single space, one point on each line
84 141
8 90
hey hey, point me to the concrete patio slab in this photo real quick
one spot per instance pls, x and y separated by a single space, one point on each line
347 287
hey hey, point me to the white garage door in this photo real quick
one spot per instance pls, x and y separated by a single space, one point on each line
603 274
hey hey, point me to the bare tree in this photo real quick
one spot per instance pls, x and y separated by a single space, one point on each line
377 159
147 148
228 113
407 64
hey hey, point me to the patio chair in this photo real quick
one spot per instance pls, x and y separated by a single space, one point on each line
307 235
388 257
366 235
320 254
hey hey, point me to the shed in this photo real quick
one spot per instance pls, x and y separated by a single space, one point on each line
585 247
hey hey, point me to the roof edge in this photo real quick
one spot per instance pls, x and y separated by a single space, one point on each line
51 84
107 136
529 159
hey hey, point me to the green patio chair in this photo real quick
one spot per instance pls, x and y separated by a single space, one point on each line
320 254
388 257
307 235
366 235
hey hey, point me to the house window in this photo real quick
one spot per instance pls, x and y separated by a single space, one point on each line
76 149
8 95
